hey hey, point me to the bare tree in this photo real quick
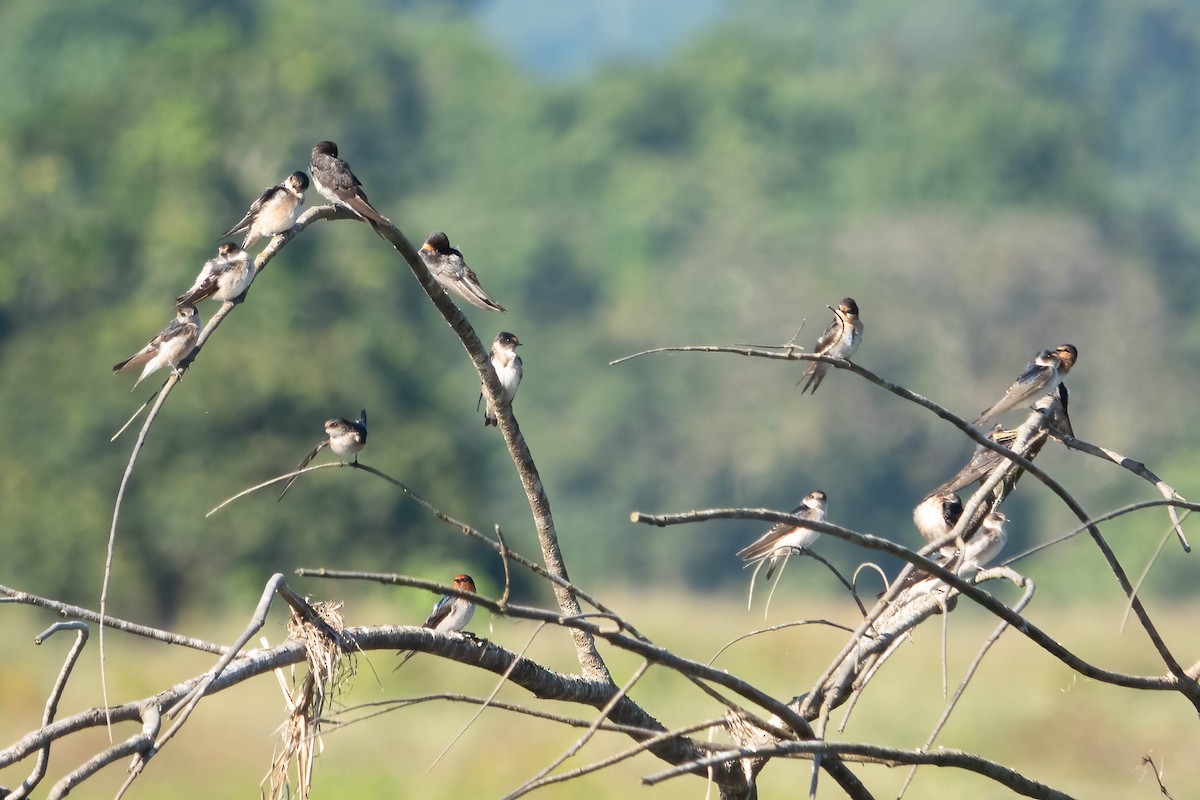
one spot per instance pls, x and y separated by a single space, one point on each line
747 727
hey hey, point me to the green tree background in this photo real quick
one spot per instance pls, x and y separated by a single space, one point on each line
985 178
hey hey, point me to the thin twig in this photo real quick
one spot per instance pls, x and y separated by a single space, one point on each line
488 701
277 479
1039 637
772 629
43 759
626 754
579 743
86 615
875 754
1019 606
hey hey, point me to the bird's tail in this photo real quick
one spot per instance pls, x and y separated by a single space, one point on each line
812 377
301 466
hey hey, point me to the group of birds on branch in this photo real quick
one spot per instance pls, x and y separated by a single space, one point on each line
1039 387
228 275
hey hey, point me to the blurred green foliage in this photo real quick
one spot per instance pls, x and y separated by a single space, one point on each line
985 178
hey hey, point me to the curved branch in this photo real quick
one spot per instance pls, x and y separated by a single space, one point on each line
65 609
888 756
1160 683
260 263
589 657
39 768
1187 685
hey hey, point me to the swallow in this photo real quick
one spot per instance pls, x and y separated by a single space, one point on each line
937 515
225 277
508 368
173 344
982 462
340 186
343 436
273 212
786 537
450 614
1041 376
984 545
448 268
981 548
840 340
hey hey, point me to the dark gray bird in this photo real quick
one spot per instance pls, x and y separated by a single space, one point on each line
273 212
173 344
982 462
225 277
1041 376
509 370
840 340
451 271
343 436
786 538
340 186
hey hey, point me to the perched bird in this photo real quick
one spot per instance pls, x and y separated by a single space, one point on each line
937 515
840 340
273 212
980 549
173 344
340 186
343 436
507 364
984 545
447 266
450 614
785 538
1042 376
982 462
225 277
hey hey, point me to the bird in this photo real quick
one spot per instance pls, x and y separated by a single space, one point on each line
787 537
508 368
1041 376
983 461
984 545
343 436
225 277
980 549
840 340
337 184
448 268
450 614
273 212
937 515
173 344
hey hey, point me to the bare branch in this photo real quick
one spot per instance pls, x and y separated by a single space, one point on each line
14 596
1139 469
39 769
887 756
579 743
1161 683
1186 685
